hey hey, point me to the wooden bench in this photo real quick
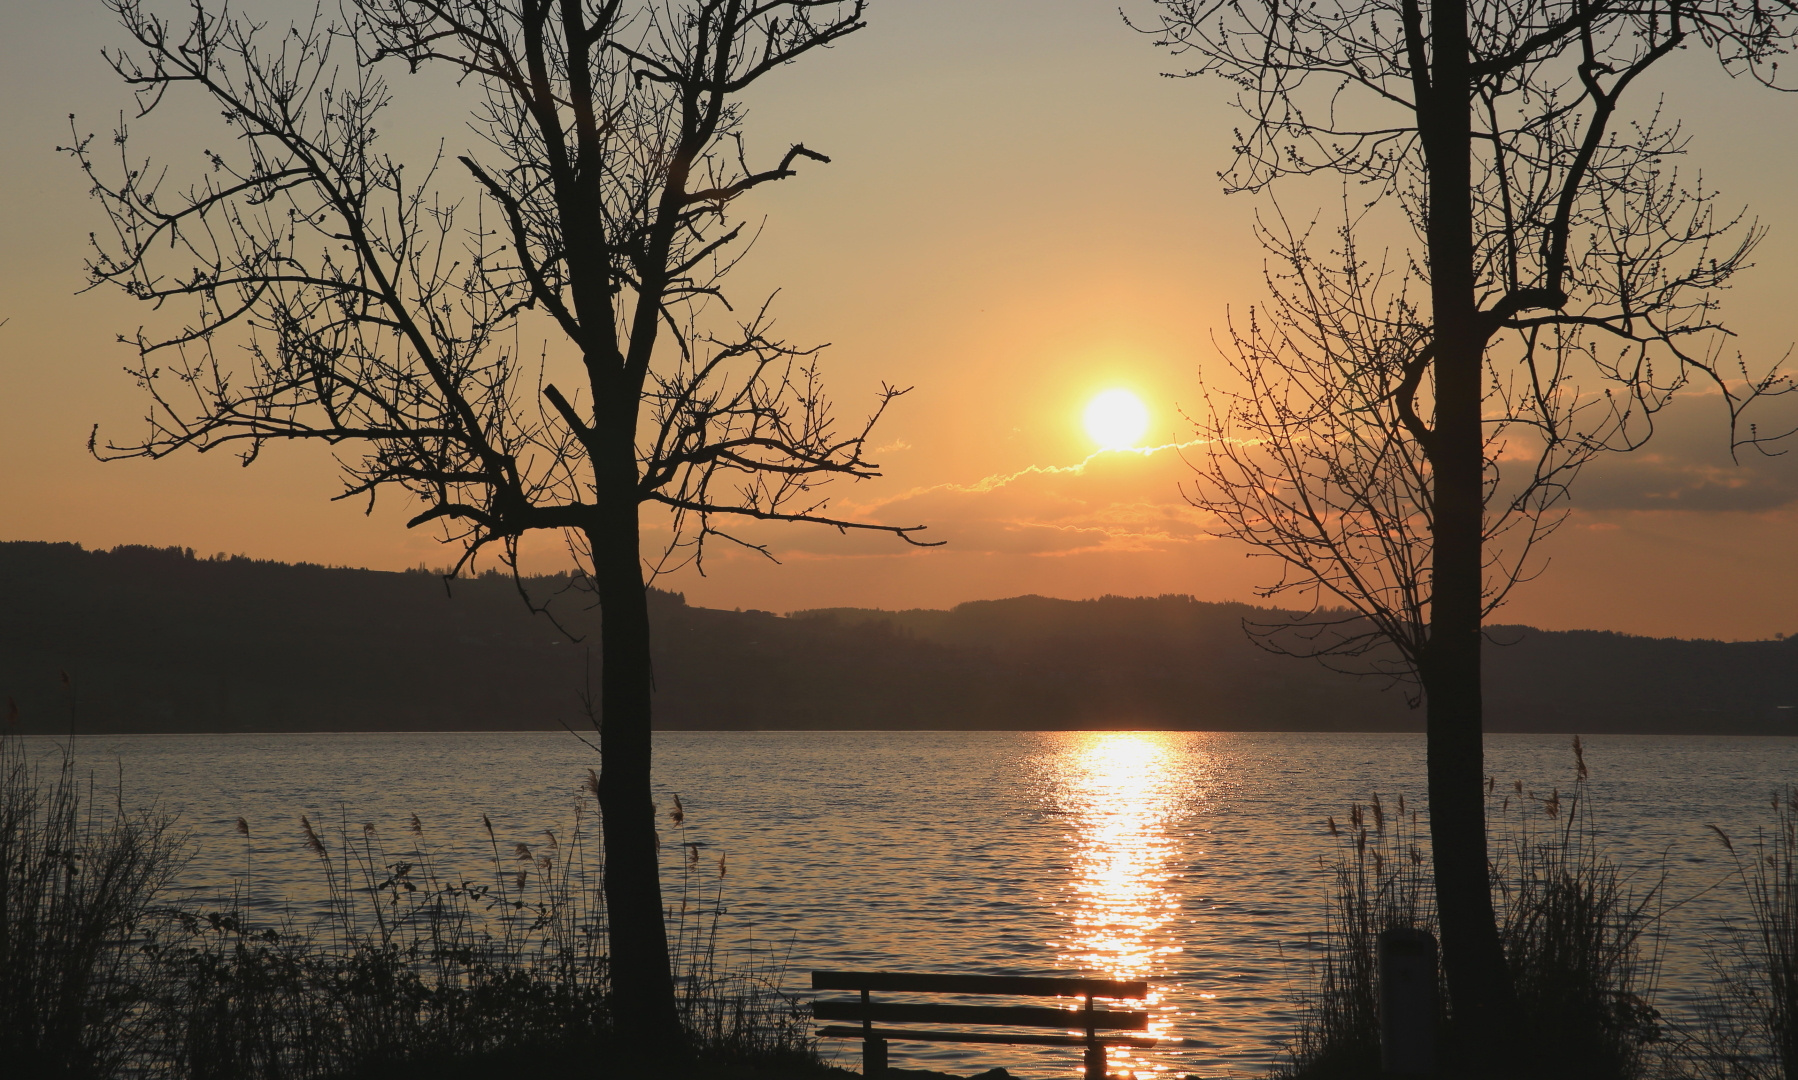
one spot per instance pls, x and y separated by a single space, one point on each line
1087 1020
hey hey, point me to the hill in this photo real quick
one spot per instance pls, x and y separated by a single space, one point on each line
157 640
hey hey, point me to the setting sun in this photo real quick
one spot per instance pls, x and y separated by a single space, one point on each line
1117 420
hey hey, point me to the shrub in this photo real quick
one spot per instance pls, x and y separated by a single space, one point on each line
76 881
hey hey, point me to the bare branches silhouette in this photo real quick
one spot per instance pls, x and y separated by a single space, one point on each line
331 293
1405 429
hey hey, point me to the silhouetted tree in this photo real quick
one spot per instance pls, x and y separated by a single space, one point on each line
1405 431
340 297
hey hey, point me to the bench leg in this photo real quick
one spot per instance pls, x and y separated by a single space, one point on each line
1095 1061
874 1059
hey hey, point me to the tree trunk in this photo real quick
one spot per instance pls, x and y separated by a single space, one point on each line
642 984
1481 996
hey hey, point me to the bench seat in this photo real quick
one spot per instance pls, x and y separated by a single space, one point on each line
1088 1021
1019 1039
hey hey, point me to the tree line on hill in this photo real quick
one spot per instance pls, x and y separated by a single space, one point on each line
159 640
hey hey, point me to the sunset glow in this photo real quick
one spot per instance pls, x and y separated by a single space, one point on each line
1117 420
1028 326
1123 792
987 447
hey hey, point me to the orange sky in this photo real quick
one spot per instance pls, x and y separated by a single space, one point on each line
1020 213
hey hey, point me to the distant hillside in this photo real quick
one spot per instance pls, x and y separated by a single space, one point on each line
158 640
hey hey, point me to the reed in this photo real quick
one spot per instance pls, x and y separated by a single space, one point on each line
409 966
407 963
733 1004
1748 1029
77 878
415 967
1379 881
1578 933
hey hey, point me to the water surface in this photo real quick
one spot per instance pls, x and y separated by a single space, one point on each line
1188 859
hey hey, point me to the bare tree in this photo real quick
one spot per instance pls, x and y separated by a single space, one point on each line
336 296
1406 431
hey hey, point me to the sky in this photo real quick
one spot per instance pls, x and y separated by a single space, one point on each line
1021 213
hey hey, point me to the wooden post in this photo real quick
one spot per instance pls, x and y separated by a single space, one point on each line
874 1051
1095 1061
1407 960
1095 1050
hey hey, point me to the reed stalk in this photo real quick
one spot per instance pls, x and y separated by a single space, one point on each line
408 965
1579 936
1748 1029
416 967
77 878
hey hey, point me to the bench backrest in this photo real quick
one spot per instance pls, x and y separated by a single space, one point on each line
1023 1016
977 984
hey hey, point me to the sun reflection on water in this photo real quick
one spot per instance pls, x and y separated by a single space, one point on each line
1122 792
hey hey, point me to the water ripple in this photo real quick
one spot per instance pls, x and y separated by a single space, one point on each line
1189 859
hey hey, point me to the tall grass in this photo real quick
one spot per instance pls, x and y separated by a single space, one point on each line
415 965
1578 936
77 879
1750 1029
407 963
1379 881
732 1004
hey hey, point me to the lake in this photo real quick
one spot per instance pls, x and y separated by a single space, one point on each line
1187 858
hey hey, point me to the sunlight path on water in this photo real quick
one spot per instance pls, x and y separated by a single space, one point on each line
1122 793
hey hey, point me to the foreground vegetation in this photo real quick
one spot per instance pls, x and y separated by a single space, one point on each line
408 966
1581 937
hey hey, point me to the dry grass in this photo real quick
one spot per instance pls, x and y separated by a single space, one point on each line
77 879
413 966
1750 1029
1578 936
1380 881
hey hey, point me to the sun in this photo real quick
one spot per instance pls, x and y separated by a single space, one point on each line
1117 420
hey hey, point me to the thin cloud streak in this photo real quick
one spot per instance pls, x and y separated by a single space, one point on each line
1001 480
1110 501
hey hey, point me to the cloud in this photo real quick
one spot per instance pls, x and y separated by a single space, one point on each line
1114 501
1689 469
1129 502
